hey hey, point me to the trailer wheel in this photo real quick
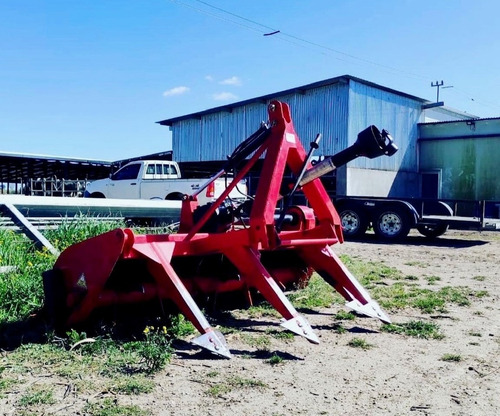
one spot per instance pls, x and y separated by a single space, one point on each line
353 220
391 223
432 231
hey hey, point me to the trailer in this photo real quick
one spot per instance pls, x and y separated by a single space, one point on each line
393 218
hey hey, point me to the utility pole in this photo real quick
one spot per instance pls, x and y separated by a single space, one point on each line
437 84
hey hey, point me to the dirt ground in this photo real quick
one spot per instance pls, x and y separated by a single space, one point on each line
400 375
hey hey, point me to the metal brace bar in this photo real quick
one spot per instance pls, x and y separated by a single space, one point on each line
31 232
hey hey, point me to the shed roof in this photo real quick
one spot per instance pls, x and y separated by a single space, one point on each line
296 90
17 166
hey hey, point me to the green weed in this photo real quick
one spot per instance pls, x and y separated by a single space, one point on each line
359 343
343 315
37 397
219 389
156 350
281 335
132 385
109 407
432 279
451 358
261 342
275 359
317 294
180 327
417 329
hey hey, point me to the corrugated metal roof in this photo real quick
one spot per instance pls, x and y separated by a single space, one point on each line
297 90
473 118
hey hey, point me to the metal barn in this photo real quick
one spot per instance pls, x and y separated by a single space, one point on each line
339 108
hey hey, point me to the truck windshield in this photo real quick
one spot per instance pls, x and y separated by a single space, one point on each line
127 172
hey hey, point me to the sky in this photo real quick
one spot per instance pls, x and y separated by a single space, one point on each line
90 79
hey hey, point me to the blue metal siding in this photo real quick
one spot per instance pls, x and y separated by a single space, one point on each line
395 113
186 140
213 136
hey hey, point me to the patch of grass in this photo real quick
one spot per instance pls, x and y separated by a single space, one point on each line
475 334
218 390
261 310
317 294
6 384
416 263
109 407
281 335
231 383
417 329
481 294
343 315
180 327
411 277
480 278
71 231
275 359
132 385
359 343
432 279
370 273
241 382
456 358
37 396
400 296
261 342
339 329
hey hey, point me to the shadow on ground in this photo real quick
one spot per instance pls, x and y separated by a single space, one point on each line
416 240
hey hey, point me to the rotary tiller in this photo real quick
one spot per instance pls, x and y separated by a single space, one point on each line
264 246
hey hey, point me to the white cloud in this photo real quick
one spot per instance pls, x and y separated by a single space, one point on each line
224 96
176 91
209 78
231 81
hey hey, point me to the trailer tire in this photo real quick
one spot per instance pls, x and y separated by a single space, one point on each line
432 231
97 195
391 223
353 220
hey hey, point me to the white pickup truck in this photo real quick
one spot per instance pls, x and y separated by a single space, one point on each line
158 179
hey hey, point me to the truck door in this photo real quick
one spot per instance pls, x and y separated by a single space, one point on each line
125 183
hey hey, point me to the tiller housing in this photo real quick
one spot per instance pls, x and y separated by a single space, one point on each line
265 245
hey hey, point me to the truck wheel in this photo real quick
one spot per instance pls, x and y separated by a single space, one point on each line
353 221
432 230
391 224
176 196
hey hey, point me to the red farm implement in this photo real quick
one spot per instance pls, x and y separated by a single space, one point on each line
266 245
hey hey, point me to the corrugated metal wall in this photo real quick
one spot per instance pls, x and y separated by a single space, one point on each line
339 111
395 113
466 154
469 168
214 136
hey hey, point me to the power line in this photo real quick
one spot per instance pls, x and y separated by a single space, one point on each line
265 30
294 39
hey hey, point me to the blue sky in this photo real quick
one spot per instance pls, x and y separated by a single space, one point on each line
89 79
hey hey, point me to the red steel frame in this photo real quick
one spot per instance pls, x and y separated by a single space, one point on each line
87 266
